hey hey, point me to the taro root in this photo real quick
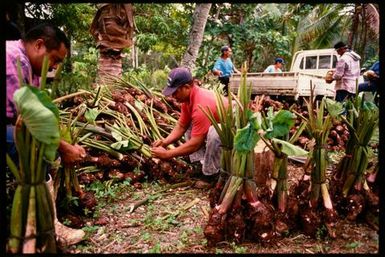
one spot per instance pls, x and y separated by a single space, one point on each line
330 218
75 221
281 223
86 178
355 206
116 174
87 200
129 98
236 226
129 162
106 162
214 230
118 97
310 221
120 107
157 104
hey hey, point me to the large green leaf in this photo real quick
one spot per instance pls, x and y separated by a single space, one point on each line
282 121
39 114
247 137
290 149
333 107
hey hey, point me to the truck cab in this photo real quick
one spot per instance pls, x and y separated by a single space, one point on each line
317 61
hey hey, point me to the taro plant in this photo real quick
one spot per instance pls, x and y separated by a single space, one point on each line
37 139
362 118
276 127
318 126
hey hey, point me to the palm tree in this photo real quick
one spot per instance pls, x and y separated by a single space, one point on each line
200 16
113 28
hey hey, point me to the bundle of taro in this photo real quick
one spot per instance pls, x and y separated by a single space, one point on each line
240 211
354 191
313 189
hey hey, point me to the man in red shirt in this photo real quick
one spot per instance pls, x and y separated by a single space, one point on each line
203 142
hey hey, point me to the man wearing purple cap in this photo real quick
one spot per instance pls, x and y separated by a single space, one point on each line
184 89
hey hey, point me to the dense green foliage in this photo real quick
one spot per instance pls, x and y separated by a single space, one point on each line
257 33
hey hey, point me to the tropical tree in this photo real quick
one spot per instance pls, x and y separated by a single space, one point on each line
200 16
113 29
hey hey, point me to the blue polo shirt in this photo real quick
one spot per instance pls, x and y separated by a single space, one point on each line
226 66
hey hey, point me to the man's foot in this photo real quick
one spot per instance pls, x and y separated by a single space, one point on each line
206 182
202 184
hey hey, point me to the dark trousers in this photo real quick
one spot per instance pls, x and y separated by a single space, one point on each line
225 81
11 146
367 86
342 95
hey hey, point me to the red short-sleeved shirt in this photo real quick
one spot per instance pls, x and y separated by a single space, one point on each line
191 113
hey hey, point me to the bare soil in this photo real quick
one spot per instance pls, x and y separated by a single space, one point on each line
173 222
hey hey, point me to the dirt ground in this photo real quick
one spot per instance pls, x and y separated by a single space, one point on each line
173 222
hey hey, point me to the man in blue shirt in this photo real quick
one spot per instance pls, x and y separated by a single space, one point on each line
224 68
276 67
371 79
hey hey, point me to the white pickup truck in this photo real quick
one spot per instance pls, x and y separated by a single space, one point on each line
308 65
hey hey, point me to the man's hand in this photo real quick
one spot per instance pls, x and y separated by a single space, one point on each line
71 154
158 142
160 152
217 72
370 75
329 76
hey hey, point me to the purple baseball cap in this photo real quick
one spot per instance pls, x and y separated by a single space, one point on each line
176 78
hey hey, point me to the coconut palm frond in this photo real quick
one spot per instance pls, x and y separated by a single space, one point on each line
326 39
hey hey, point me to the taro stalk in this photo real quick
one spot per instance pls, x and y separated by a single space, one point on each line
70 133
37 139
126 138
277 125
362 118
225 129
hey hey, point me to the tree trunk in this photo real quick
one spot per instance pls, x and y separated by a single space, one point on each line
109 66
201 14
113 29
353 31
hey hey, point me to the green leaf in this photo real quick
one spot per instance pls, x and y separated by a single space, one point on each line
282 121
91 114
124 145
39 114
370 106
290 149
247 137
333 107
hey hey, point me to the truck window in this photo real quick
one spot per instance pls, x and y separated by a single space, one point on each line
334 61
301 64
324 62
311 63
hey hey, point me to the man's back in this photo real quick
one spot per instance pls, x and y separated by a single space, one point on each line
192 113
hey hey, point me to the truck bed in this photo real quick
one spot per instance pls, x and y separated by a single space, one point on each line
284 83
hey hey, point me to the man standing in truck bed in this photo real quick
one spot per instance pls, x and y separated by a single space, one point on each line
347 72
